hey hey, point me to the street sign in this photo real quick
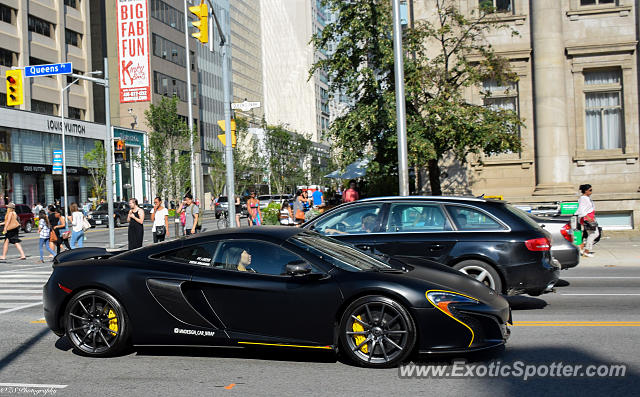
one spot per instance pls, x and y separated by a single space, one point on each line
48 70
245 106
57 162
568 208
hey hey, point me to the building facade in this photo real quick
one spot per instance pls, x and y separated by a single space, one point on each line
577 64
291 97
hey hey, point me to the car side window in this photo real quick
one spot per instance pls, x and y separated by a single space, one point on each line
353 220
470 219
412 217
255 256
197 254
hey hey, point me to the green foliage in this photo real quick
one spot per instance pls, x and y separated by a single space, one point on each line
271 214
286 154
443 57
167 157
97 159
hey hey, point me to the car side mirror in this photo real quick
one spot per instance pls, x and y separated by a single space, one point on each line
298 268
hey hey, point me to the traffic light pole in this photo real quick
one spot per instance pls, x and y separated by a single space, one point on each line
189 101
108 145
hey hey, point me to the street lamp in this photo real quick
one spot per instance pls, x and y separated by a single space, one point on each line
64 160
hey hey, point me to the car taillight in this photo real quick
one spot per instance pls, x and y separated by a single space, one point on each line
566 232
538 244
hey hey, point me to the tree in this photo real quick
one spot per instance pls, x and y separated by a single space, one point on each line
286 154
167 158
97 159
443 57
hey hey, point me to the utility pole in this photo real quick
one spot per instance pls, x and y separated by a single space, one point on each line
401 114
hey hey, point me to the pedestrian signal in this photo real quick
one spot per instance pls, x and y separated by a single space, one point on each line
119 151
15 95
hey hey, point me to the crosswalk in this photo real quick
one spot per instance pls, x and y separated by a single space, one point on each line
21 288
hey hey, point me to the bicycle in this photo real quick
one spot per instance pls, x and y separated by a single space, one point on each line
223 221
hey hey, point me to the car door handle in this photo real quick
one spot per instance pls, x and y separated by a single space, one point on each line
435 247
364 247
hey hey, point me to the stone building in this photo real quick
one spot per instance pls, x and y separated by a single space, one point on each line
577 93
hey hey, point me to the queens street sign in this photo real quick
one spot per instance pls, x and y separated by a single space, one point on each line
48 70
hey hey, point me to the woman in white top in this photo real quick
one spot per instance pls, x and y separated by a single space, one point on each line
160 218
586 213
76 218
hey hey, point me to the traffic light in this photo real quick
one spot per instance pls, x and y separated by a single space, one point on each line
202 12
14 87
119 151
223 137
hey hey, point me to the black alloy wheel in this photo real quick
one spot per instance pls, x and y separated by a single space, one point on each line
96 324
377 331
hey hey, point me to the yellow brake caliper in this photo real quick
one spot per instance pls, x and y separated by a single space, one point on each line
357 327
113 324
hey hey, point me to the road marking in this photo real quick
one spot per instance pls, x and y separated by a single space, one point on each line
39 322
20 307
229 387
22 269
20 291
600 294
596 277
33 385
576 323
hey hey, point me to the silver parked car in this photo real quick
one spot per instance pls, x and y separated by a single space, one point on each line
562 247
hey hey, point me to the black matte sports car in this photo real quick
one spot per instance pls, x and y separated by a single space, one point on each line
273 286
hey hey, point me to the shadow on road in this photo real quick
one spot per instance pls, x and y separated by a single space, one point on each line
520 302
20 350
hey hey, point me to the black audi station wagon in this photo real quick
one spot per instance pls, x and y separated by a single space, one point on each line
490 240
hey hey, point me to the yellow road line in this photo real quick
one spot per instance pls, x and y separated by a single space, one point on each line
38 322
278 344
576 323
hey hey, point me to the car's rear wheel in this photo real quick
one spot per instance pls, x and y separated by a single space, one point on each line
28 227
96 323
376 331
116 222
482 272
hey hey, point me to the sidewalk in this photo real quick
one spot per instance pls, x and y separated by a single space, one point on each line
616 248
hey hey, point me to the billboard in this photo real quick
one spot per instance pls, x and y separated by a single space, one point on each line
133 51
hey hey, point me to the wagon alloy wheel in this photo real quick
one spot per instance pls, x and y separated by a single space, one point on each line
96 323
377 332
482 272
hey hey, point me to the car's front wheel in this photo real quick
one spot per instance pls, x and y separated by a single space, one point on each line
482 272
28 227
376 331
96 323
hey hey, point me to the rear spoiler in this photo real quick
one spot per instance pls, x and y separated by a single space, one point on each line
84 253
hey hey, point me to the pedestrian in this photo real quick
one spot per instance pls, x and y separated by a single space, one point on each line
11 229
238 210
253 206
44 228
586 213
160 218
36 209
76 218
58 225
298 208
191 215
318 199
286 215
135 219
212 206
350 194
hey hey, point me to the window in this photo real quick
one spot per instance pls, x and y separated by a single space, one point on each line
168 50
76 113
72 3
255 256
413 217
596 2
38 61
604 121
168 86
500 6
6 13
3 103
500 96
42 107
39 26
470 219
70 78
6 57
353 220
72 37
201 254
167 14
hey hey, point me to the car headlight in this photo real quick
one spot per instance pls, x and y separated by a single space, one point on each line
442 299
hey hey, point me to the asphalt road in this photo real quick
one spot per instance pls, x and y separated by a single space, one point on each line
592 320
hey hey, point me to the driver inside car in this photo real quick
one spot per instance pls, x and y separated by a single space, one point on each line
368 224
238 259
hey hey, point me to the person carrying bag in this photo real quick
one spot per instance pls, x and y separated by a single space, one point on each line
586 213
11 230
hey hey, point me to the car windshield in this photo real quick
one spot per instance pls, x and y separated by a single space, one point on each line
102 207
337 253
262 198
222 199
522 215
